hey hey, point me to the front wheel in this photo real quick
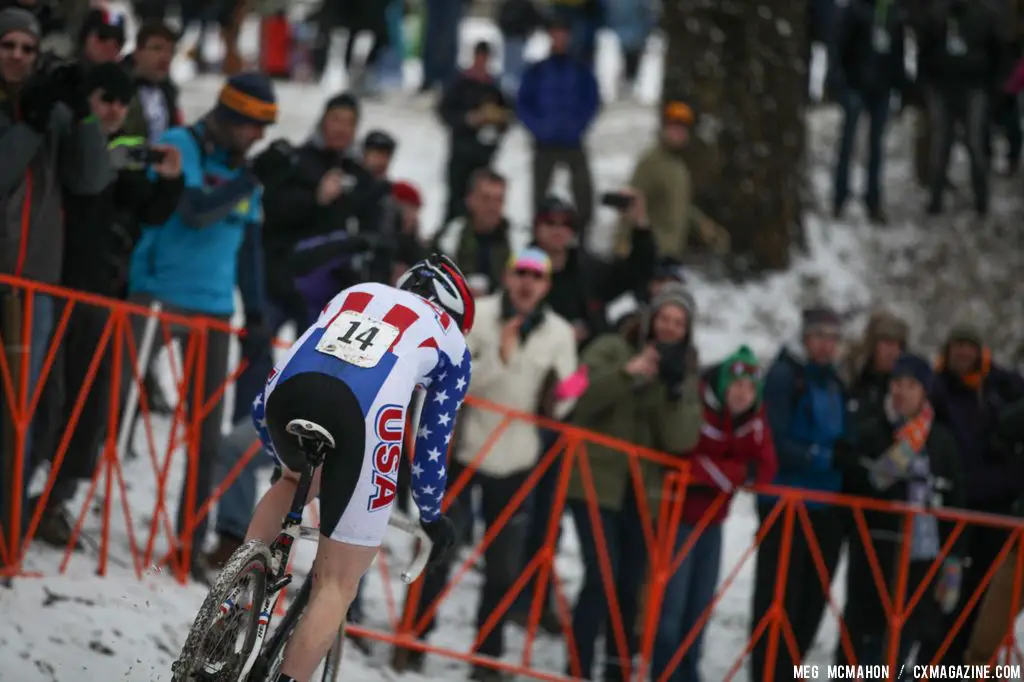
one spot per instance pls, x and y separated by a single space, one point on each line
225 629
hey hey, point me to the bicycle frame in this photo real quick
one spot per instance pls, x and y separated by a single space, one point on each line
292 530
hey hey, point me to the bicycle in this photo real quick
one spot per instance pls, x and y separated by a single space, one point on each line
226 616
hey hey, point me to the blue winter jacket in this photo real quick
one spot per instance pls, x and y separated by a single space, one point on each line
558 100
805 406
191 261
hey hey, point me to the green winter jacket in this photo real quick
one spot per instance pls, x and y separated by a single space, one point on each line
612 406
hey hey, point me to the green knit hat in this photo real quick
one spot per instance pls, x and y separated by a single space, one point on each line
742 364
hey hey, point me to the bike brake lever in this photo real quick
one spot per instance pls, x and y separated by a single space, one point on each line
425 545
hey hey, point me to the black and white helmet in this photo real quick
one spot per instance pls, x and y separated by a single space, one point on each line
438 280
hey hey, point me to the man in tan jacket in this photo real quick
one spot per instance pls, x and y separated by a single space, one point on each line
662 177
521 350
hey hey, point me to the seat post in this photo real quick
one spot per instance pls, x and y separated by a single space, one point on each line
313 449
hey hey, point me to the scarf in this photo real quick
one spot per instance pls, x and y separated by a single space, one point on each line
914 433
925 539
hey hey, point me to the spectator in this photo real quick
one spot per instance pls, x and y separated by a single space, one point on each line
734 438
662 177
868 365
558 101
378 153
474 110
901 454
102 37
998 611
408 202
191 263
100 232
866 68
582 285
632 21
962 54
582 18
49 142
155 106
969 395
517 20
355 16
805 406
441 42
482 250
643 388
516 343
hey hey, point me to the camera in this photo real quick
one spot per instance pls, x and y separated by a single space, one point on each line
617 200
147 156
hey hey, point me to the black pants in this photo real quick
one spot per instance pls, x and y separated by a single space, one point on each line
805 601
946 109
86 326
864 614
546 160
503 558
355 16
984 544
217 346
460 169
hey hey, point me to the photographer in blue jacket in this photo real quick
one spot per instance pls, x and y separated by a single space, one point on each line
192 263
805 404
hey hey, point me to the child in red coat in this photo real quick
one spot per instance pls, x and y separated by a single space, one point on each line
735 446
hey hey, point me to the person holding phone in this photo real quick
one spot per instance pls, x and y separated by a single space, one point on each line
100 233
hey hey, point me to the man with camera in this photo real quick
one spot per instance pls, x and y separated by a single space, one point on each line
100 234
48 142
192 262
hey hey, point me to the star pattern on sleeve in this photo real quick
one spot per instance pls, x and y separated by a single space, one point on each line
445 393
259 420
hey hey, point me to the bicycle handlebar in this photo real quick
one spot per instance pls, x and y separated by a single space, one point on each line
424 547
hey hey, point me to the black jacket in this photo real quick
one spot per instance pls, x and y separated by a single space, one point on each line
292 213
868 50
984 61
101 230
581 290
463 95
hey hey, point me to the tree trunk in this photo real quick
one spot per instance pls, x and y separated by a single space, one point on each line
743 66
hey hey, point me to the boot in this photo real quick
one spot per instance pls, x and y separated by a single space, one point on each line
407 659
55 528
226 546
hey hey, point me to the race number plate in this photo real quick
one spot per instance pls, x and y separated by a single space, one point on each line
357 339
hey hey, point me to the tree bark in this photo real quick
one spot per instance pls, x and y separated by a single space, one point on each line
742 65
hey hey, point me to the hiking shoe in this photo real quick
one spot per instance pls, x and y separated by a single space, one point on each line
484 674
407 659
56 528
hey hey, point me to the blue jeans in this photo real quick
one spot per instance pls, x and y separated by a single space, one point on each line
441 41
388 72
234 509
627 549
687 594
876 106
513 65
584 32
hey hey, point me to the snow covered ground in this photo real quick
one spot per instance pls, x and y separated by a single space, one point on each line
80 626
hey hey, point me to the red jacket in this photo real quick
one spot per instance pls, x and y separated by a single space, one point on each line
731 451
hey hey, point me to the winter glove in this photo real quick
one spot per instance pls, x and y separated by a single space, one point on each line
442 534
947 586
891 466
258 338
273 163
37 101
820 458
69 83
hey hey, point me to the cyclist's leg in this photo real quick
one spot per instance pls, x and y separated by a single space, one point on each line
266 519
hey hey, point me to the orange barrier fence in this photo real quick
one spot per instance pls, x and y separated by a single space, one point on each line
657 482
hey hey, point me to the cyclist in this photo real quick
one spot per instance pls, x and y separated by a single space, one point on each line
353 373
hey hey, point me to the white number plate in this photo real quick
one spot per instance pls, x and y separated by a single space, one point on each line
357 339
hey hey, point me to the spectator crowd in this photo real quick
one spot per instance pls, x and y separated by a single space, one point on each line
108 190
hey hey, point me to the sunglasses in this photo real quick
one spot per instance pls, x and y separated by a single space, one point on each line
524 272
24 48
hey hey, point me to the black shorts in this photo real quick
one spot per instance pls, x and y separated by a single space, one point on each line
328 402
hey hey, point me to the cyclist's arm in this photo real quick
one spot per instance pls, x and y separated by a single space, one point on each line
448 385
